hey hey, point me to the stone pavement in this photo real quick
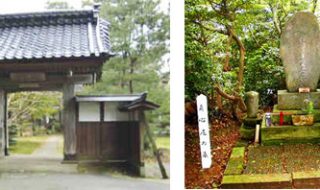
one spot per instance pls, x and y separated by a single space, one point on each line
43 170
45 181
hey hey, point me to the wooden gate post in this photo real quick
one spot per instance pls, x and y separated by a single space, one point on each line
142 132
69 122
2 120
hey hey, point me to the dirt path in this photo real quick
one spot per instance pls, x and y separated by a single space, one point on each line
50 148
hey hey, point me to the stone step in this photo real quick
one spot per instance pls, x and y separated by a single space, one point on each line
257 181
236 162
298 180
290 134
316 112
295 101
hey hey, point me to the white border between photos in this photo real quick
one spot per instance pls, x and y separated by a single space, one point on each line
177 94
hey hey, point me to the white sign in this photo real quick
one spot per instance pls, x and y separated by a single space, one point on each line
204 133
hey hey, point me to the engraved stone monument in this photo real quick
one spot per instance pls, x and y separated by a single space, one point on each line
300 54
299 51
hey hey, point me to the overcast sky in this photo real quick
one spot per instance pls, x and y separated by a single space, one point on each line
14 6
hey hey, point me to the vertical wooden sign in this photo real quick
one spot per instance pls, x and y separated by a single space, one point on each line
204 133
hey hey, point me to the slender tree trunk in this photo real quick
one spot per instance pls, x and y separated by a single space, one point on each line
131 73
226 66
314 7
276 24
242 56
155 149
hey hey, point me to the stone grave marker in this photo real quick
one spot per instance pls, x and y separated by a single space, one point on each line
299 51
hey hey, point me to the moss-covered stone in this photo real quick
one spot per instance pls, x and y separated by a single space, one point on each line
237 152
257 181
241 143
295 100
287 119
304 175
251 122
235 166
306 179
236 162
290 134
247 133
316 112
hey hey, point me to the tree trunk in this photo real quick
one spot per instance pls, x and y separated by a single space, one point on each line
275 18
132 62
226 66
314 7
242 56
155 149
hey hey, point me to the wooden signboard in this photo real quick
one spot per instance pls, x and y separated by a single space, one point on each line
204 133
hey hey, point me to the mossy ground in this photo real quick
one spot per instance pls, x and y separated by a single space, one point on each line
283 159
26 145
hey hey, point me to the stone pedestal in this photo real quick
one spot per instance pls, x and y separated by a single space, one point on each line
294 100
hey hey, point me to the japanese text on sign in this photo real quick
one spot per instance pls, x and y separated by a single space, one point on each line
203 124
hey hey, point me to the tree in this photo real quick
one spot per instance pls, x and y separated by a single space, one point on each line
26 107
58 5
139 33
237 42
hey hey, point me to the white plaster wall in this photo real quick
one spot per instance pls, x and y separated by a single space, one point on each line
89 111
111 112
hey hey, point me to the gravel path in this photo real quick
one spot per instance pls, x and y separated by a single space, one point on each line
50 148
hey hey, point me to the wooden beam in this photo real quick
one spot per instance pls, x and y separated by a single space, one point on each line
50 79
81 66
28 76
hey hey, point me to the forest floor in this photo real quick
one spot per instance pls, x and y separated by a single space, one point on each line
224 133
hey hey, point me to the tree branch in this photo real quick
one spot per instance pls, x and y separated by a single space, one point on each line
275 18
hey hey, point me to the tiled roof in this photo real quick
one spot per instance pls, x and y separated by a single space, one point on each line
54 34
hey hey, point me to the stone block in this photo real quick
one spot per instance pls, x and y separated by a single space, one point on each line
316 112
235 164
258 181
294 100
306 180
247 133
251 122
290 134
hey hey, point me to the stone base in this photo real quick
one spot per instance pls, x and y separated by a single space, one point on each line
247 133
306 180
294 100
258 181
69 157
251 122
316 112
290 134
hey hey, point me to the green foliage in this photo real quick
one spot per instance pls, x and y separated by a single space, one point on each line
25 108
258 24
139 33
58 5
